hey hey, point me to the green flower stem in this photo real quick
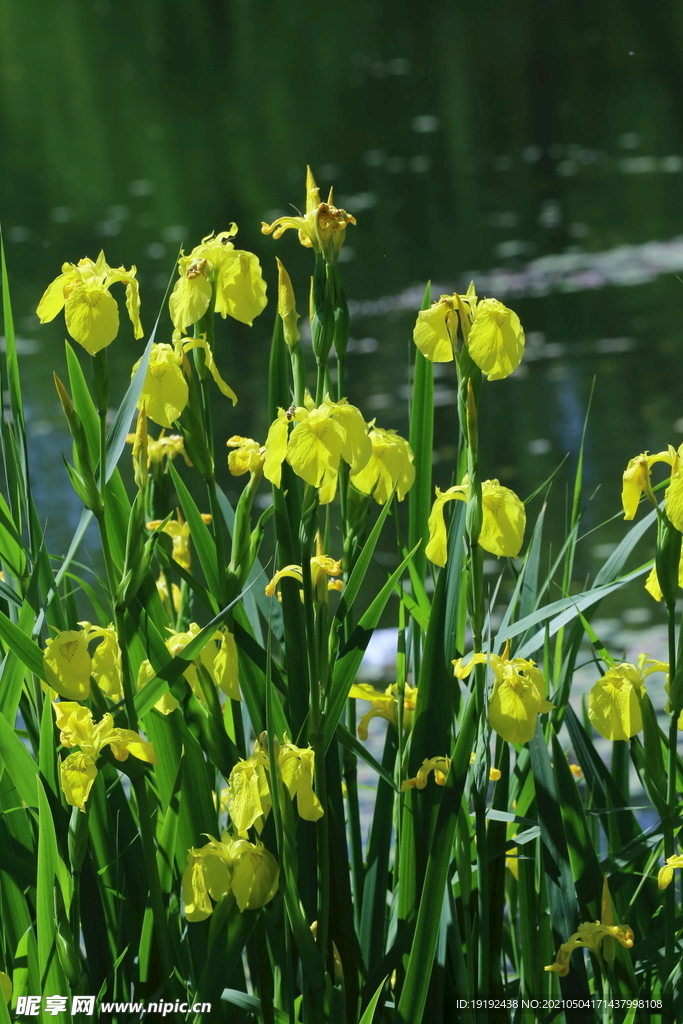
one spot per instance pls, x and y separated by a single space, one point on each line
298 373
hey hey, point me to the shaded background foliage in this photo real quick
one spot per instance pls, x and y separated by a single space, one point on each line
462 137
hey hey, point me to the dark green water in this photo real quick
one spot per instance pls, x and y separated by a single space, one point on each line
536 146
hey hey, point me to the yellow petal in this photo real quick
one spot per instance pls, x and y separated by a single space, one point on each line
226 667
92 317
106 665
431 333
77 774
315 447
496 339
245 805
614 706
224 388
437 546
673 501
164 391
256 876
125 741
198 906
241 290
276 448
189 300
357 445
67 664
146 674
53 298
503 522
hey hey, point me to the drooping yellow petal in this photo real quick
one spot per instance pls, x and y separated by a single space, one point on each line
666 874
201 343
240 289
245 805
68 664
77 774
434 332
164 391
496 339
315 446
53 298
519 695
391 464
256 876
437 546
226 667
92 317
673 500
125 741
614 705
296 767
276 448
146 674
189 300
198 906
503 521
357 447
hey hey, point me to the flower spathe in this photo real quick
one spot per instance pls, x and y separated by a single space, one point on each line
614 701
385 705
518 696
323 226
215 264
165 391
320 437
247 870
390 465
90 310
503 521
590 935
77 729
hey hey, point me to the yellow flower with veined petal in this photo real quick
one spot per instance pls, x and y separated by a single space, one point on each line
77 729
179 532
390 465
165 392
91 312
234 274
519 694
614 701
323 227
385 705
436 328
321 437
496 340
218 657
503 521
246 869
590 935
666 874
636 481
68 664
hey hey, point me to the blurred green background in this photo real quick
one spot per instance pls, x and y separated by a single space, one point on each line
534 146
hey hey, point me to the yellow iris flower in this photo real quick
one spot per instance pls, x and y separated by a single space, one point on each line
77 729
491 332
519 694
165 392
179 532
249 799
666 874
321 438
323 226
590 935
218 657
438 765
636 481
503 522
390 465
68 664
167 703
614 701
91 312
652 582
385 705
247 870
233 273
322 567
163 447
248 457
